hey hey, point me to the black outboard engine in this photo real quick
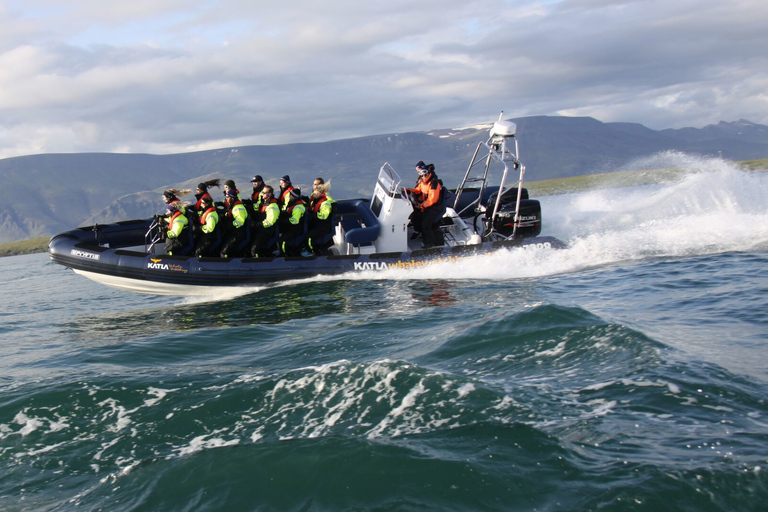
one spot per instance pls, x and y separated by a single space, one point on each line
530 214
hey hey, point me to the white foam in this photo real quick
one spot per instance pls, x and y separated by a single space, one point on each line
28 424
713 207
206 442
158 393
465 389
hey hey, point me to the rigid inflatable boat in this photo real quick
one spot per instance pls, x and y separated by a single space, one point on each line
368 235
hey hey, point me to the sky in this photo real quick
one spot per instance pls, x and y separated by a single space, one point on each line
173 76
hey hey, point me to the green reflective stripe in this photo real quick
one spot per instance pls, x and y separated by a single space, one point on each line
179 223
210 222
296 214
272 214
239 215
325 209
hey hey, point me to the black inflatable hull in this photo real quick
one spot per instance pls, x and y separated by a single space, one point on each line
103 254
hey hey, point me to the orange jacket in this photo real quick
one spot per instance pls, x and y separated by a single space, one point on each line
428 190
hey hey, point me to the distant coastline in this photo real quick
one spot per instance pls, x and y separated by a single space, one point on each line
538 188
29 246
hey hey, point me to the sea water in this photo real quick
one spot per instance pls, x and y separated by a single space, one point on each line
626 372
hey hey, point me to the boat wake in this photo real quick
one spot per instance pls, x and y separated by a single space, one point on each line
712 206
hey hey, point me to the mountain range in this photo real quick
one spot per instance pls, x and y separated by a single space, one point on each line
48 193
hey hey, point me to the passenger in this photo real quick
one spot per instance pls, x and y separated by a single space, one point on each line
177 228
319 183
258 186
209 222
320 220
229 185
170 196
415 217
292 225
265 224
428 208
194 211
419 166
202 191
285 190
234 226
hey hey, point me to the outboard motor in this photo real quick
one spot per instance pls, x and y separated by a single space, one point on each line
530 214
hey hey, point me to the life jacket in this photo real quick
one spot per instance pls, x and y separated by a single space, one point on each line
238 214
199 203
322 208
263 217
290 208
231 207
173 217
265 205
284 195
256 198
288 218
431 190
204 216
316 202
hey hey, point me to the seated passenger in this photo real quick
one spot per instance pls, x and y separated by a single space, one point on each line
202 191
292 225
170 196
258 186
175 237
233 225
264 231
209 221
229 185
285 191
320 220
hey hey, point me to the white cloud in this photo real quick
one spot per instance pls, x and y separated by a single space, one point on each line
173 76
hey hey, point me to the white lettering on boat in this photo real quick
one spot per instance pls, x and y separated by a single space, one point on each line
371 265
545 245
83 254
157 265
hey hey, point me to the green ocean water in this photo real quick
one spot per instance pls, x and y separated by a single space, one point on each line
627 372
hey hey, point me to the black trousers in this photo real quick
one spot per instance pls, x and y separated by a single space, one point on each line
429 226
204 243
174 244
291 238
232 239
260 238
320 237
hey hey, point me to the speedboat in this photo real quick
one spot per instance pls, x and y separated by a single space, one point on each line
368 234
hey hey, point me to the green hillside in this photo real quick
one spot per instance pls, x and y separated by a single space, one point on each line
620 179
31 246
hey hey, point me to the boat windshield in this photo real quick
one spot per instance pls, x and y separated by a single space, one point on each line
389 180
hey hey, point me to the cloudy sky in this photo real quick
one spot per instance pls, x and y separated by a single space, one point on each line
168 76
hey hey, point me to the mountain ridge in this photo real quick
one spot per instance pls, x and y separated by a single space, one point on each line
48 193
